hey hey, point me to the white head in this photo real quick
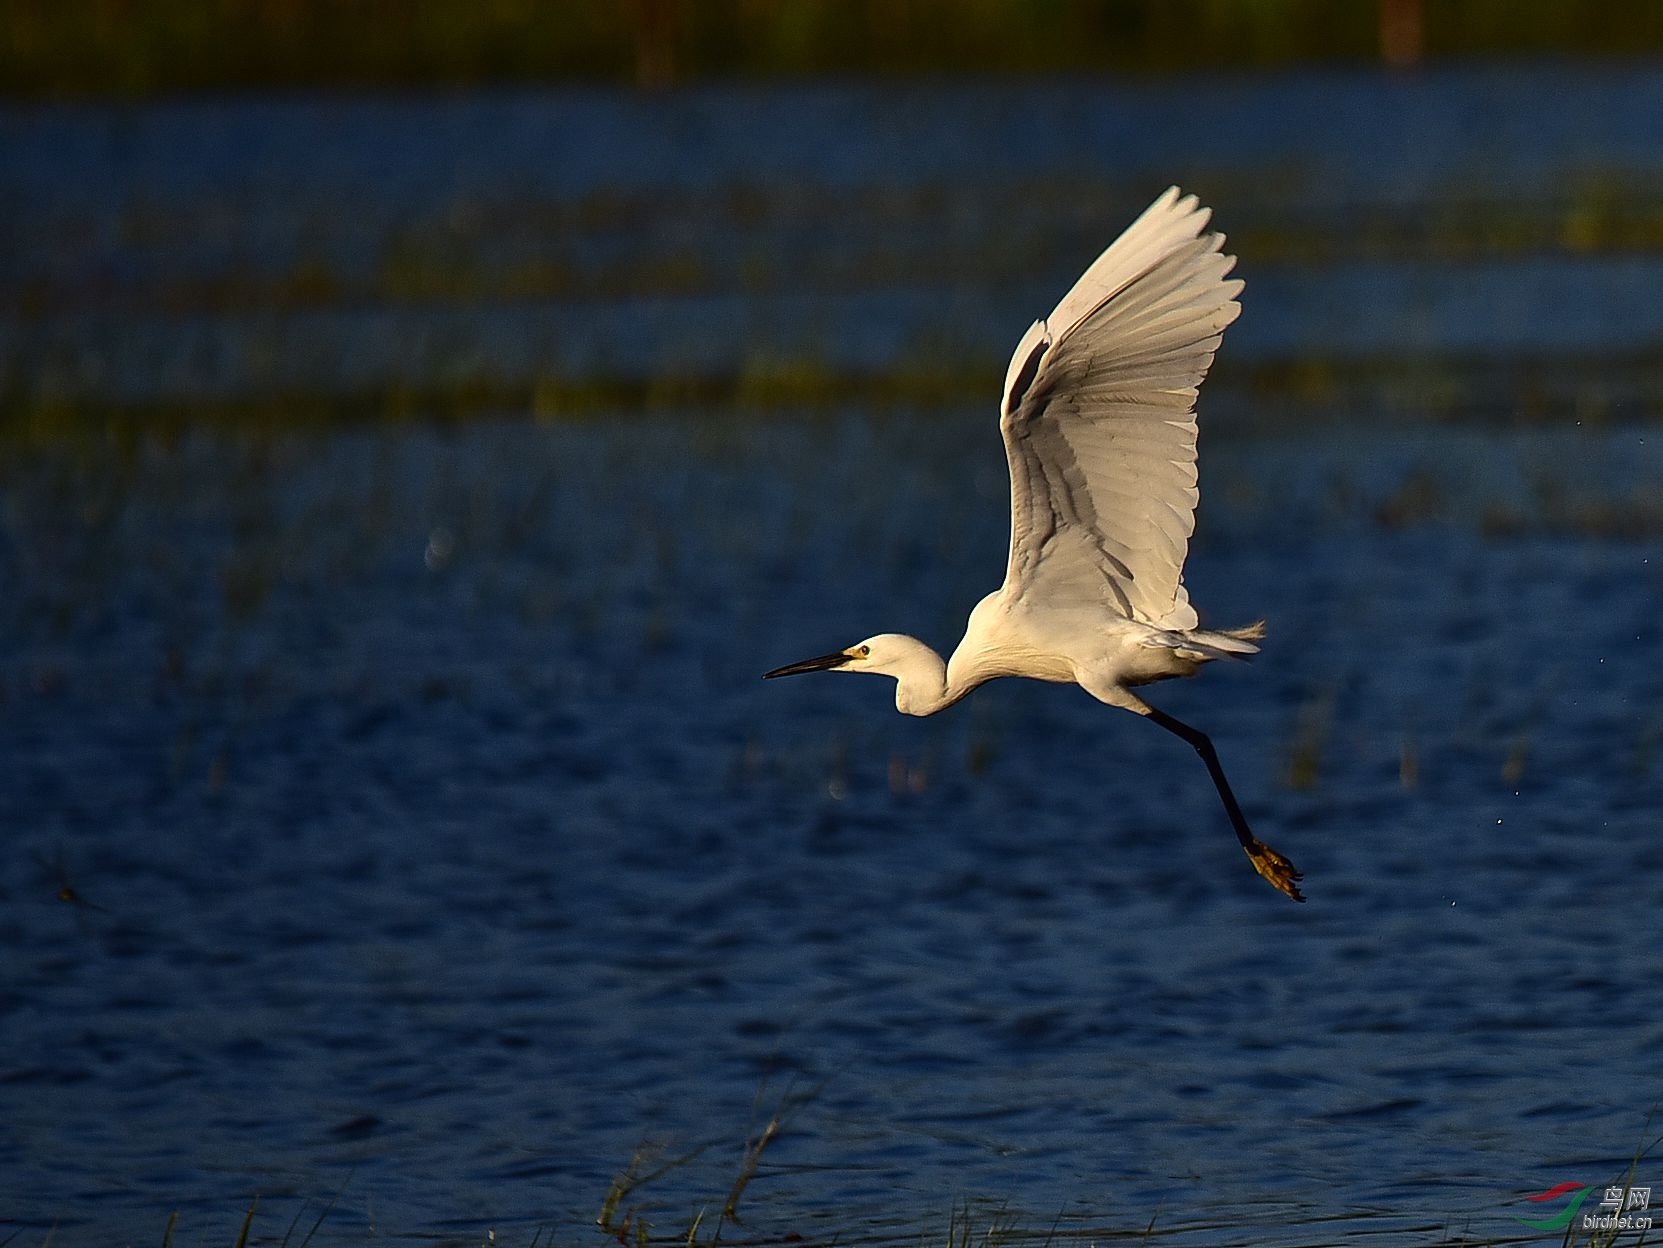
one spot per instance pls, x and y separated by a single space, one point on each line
920 675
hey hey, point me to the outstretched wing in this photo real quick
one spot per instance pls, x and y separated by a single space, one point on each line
1099 420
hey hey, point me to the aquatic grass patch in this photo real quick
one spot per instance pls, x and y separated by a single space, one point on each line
764 238
968 1223
246 1232
761 383
498 245
627 1222
1595 1230
1313 391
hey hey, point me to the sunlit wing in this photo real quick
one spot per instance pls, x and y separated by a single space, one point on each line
1099 420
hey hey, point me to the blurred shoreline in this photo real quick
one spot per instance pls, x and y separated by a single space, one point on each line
110 48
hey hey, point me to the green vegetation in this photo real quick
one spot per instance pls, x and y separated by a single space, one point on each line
1610 1236
970 1224
49 48
1454 390
619 1219
516 257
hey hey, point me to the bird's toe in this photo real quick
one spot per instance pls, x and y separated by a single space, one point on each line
1281 873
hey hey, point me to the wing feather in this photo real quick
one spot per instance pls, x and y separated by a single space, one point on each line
1099 425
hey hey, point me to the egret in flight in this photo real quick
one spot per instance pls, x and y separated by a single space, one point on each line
1098 420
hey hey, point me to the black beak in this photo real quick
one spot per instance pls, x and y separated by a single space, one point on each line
824 663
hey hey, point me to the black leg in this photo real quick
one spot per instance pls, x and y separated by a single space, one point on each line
1266 861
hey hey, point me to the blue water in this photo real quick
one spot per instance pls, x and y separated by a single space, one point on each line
241 249
395 812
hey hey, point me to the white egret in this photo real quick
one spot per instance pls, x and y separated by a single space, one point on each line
1099 426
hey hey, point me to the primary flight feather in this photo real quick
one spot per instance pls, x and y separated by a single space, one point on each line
1098 419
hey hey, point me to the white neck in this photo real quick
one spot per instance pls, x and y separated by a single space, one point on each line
924 683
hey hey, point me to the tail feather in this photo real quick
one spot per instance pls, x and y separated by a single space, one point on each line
1236 643
1202 645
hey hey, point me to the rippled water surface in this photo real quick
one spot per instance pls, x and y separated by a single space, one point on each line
393 811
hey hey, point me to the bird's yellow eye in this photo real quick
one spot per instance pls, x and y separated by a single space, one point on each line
864 652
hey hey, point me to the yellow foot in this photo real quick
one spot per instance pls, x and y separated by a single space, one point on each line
1275 868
